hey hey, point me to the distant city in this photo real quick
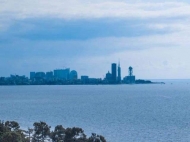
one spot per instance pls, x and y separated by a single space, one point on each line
67 77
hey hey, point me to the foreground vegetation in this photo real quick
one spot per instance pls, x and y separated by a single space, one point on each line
10 132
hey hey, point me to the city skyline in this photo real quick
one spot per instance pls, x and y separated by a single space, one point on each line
115 70
70 77
151 36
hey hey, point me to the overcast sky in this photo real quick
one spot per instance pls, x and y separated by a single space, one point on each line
152 36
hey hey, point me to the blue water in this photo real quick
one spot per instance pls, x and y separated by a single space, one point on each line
121 113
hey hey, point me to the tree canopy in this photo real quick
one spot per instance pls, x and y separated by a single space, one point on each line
10 132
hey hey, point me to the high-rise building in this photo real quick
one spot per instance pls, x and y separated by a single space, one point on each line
49 75
62 74
32 75
119 73
40 75
114 72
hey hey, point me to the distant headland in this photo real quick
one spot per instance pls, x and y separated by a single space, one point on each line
67 77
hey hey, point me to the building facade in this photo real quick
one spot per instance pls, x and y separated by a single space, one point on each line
119 74
62 74
114 72
73 75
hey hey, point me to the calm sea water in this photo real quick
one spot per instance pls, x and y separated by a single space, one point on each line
121 113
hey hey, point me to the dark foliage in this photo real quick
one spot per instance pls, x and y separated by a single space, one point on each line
41 131
75 135
96 138
58 135
143 81
10 132
12 125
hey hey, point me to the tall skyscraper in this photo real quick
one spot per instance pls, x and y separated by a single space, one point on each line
114 72
119 73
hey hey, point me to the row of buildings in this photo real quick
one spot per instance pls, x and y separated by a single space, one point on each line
115 76
62 76
65 76
58 74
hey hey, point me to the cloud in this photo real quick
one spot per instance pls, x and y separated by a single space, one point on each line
59 19
94 56
88 36
63 20
77 9
58 29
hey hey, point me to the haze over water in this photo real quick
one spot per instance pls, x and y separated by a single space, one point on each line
121 113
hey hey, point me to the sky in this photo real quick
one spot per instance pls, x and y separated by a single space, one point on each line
152 36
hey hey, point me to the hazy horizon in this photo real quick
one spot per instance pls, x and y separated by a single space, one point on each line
87 36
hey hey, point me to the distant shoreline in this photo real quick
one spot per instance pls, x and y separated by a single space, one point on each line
79 84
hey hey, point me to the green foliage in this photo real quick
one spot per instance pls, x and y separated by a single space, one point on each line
28 134
11 137
3 129
10 132
41 131
96 138
58 135
75 135
12 125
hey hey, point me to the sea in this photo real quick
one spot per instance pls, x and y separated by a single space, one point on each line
121 113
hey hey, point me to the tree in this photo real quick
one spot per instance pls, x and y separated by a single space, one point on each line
96 138
9 132
3 129
11 137
58 135
75 135
41 131
12 125
28 133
